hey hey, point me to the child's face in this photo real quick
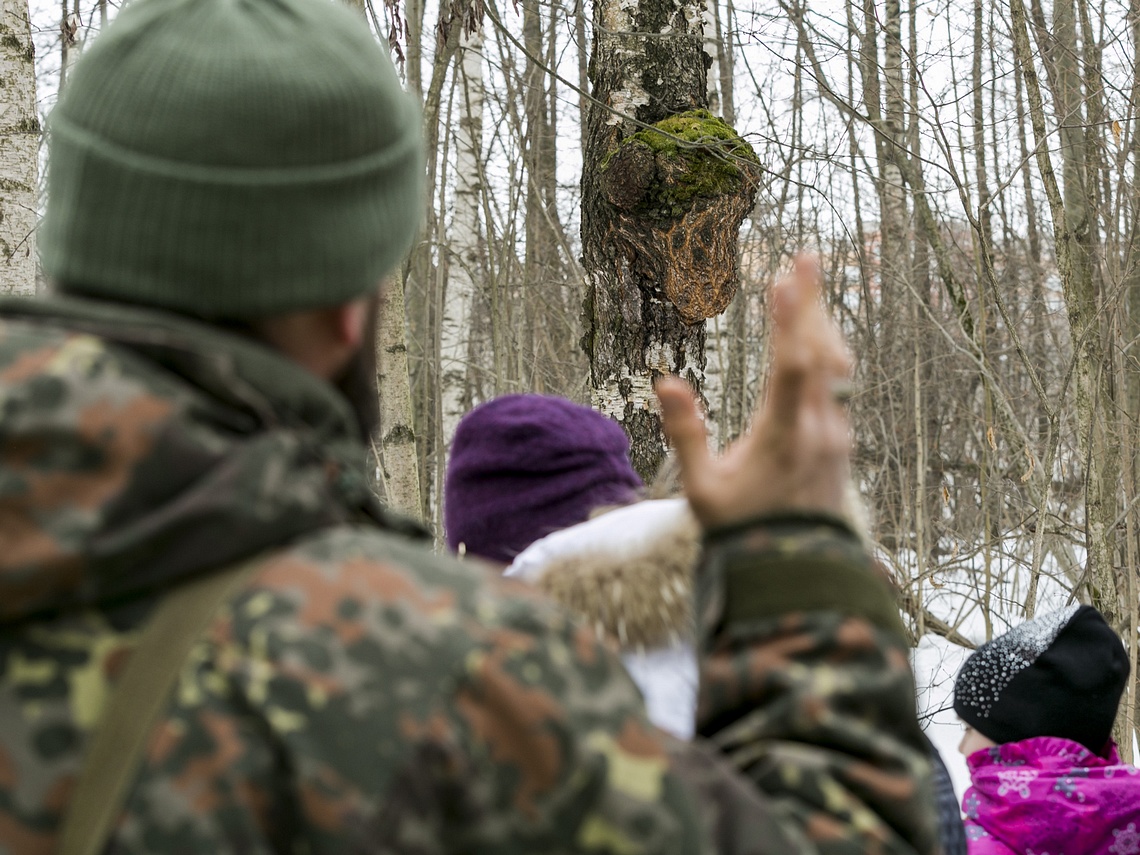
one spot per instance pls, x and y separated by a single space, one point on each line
973 741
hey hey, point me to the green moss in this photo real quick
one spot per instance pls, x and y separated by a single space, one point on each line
697 155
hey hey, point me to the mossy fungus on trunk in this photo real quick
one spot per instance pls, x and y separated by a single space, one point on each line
660 170
681 188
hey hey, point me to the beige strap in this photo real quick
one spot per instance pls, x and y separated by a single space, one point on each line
140 696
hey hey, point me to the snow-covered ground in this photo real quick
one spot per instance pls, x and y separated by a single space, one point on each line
936 662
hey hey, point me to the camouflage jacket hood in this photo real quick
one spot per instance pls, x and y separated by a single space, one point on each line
213 449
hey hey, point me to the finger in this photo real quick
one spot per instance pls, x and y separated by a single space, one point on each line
680 415
819 339
830 348
795 291
796 316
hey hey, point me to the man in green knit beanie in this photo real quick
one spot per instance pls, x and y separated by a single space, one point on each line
214 639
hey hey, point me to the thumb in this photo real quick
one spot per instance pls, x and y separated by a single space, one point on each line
680 415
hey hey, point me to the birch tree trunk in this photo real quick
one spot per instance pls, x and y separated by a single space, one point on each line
712 47
19 146
718 331
895 228
717 328
397 451
466 239
422 276
659 230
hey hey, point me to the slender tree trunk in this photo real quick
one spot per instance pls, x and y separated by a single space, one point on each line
893 208
465 240
397 450
543 276
854 154
712 47
726 351
1132 258
583 46
413 50
927 400
1095 396
726 67
66 40
983 261
1075 245
422 273
716 328
884 98
19 148
1131 384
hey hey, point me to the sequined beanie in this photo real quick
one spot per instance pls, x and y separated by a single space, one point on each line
232 159
1060 674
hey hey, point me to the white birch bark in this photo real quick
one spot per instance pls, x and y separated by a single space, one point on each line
715 353
19 147
712 50
397 453
465 239
716 370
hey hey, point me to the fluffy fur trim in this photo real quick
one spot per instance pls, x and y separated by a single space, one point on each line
628 573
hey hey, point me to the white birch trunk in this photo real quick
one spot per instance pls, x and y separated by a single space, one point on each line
715 327
465 240
19 147
717 342
397 453
712 50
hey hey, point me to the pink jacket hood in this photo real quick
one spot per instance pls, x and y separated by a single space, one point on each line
1049 796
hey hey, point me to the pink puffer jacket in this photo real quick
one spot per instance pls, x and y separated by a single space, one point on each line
1049 796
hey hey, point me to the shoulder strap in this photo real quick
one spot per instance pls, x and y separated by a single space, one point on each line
139 697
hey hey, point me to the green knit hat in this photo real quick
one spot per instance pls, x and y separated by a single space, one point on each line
232 159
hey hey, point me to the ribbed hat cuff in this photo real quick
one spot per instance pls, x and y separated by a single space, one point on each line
378 163
223 242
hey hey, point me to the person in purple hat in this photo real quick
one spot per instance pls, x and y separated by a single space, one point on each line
524 466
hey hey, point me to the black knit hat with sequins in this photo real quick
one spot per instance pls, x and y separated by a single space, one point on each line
1060 674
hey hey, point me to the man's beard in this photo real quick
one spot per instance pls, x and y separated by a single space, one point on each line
357 382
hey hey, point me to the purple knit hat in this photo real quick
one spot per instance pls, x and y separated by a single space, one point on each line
523 466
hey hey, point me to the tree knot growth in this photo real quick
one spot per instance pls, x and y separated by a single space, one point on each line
681 189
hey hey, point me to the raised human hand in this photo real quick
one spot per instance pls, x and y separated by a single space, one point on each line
796 457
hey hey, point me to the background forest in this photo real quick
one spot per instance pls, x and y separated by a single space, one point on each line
969 172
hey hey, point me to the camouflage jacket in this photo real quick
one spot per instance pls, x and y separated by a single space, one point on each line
360 694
